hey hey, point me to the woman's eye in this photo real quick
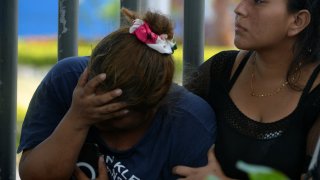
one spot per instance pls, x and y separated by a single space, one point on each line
258 1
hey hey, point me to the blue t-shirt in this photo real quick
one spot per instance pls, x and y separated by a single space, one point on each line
182 131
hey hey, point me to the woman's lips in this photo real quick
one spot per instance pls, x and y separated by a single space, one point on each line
238 27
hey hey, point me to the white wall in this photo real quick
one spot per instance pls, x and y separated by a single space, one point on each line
156 5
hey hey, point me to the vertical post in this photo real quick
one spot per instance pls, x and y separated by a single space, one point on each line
193 36
68 28
8 87
133 5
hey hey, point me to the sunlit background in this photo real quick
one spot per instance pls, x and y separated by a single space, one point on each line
38 27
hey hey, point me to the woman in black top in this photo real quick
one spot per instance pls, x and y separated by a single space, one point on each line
266 96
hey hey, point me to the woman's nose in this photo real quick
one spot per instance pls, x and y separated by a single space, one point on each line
240 9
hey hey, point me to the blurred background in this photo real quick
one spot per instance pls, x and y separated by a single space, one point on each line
38 29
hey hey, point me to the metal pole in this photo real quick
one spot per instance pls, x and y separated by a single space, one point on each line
8 87
133 5
68 28
193 36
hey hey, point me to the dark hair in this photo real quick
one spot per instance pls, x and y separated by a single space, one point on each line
307 46
144 75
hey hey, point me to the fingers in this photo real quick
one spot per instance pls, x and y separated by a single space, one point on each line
103 175
79 174
211 157
183 170
92 85
112 110
109 96
213 163
112 107
117 114
83 78
212 160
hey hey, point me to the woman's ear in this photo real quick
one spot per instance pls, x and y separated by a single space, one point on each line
300 21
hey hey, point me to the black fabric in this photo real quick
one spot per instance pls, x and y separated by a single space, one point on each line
238 70
280 145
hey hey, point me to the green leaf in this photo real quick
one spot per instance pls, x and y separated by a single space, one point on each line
212 177
258 172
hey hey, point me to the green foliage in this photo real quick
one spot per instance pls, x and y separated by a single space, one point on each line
21 112
212 177
111 10
257 172
44 52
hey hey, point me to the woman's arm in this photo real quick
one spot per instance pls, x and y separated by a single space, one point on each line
56 156
198 82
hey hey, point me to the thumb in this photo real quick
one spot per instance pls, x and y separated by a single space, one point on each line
211 156
103 175
214 164
79 174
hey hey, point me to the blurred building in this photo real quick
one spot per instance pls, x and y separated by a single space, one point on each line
100 17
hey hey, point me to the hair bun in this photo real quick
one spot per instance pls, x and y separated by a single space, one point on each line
158 23
129 15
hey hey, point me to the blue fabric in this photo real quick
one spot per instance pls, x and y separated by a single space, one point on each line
182 131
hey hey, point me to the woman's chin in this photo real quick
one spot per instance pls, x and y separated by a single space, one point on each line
241 45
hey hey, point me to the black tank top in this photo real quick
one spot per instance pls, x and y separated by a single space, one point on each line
280 145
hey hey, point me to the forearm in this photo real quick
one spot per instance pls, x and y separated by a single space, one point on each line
55 157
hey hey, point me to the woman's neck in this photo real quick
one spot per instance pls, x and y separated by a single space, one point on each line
274 61
272 64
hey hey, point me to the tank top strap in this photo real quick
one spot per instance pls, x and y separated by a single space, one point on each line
239 70
310 82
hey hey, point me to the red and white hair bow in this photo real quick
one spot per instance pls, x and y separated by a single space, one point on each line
157 42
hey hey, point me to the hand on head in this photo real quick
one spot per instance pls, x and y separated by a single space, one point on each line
90 108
